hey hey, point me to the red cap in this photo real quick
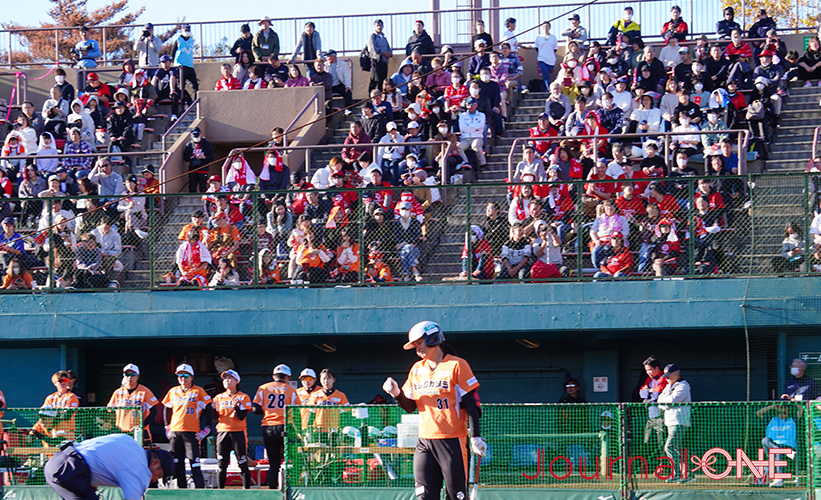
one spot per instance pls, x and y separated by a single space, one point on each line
419 21
374 255
665 222
214 178
92 77
222 215
617 234
766 53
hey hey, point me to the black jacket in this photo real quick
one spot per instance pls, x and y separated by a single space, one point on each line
121 125
245 45
196 163
421 42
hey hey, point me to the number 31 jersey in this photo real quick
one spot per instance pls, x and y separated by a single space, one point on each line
438 393
274 397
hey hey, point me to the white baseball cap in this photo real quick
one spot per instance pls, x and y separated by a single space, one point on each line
390 126
283 370
230 373
185 368
131 367
307 372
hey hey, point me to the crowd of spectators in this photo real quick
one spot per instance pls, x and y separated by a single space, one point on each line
612 90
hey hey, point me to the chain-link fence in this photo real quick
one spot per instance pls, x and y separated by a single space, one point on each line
32 435
648 228
724 446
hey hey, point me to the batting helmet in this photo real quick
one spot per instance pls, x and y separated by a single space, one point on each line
427 330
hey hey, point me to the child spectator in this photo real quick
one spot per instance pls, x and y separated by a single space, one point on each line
516 254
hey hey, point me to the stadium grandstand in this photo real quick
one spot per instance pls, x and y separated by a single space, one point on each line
596 202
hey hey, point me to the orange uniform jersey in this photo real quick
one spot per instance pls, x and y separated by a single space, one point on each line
141 396
327 419
186 407
304 396
274 397
438 393
59 426
226 410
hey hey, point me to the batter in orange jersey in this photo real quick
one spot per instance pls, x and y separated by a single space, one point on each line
443 388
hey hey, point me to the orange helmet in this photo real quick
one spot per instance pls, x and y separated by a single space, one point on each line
374 255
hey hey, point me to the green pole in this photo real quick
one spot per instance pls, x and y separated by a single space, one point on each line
151 243
468 241
691 241
255 232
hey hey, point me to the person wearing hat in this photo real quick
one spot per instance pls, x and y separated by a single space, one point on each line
142 95
150 183
377 271
12 246
442 387
133 393
94 87
165 82
266 41
379 51
116 460
676 418
772 75
576 31
182 52
148 47
616 260
341 76
271 400
420 40
479 60
472 127
183 406
307 378
243 44
231 407
310 44
87 50
199 153
120 126
625 29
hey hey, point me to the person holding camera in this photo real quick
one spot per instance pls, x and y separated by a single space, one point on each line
148 47
87 50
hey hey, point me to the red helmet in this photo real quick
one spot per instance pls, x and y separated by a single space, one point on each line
617 234
374 255
92 77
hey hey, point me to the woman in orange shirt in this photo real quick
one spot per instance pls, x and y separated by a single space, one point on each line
232 407
312 257
326 420
16 278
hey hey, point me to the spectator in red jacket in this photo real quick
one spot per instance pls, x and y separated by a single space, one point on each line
649 393
355 136
616 260
675 27
227 82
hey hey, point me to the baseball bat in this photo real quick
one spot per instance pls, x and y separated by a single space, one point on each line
474 492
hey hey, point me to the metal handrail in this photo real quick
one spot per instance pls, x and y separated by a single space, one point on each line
194 105
315 100
310 148
295 20
742 158
83 155
815 135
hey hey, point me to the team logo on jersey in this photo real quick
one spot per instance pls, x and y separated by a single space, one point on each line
432 384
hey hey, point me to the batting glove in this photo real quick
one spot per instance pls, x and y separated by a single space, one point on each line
203 433
390 386
478 446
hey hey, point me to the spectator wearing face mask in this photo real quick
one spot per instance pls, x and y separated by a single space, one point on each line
713 123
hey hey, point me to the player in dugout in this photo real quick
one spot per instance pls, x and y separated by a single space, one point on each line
444 390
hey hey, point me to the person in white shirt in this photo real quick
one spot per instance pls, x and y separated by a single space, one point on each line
670 55
676 418
472 125
341 75
391 155
322 177
547 45
622 98
509 35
